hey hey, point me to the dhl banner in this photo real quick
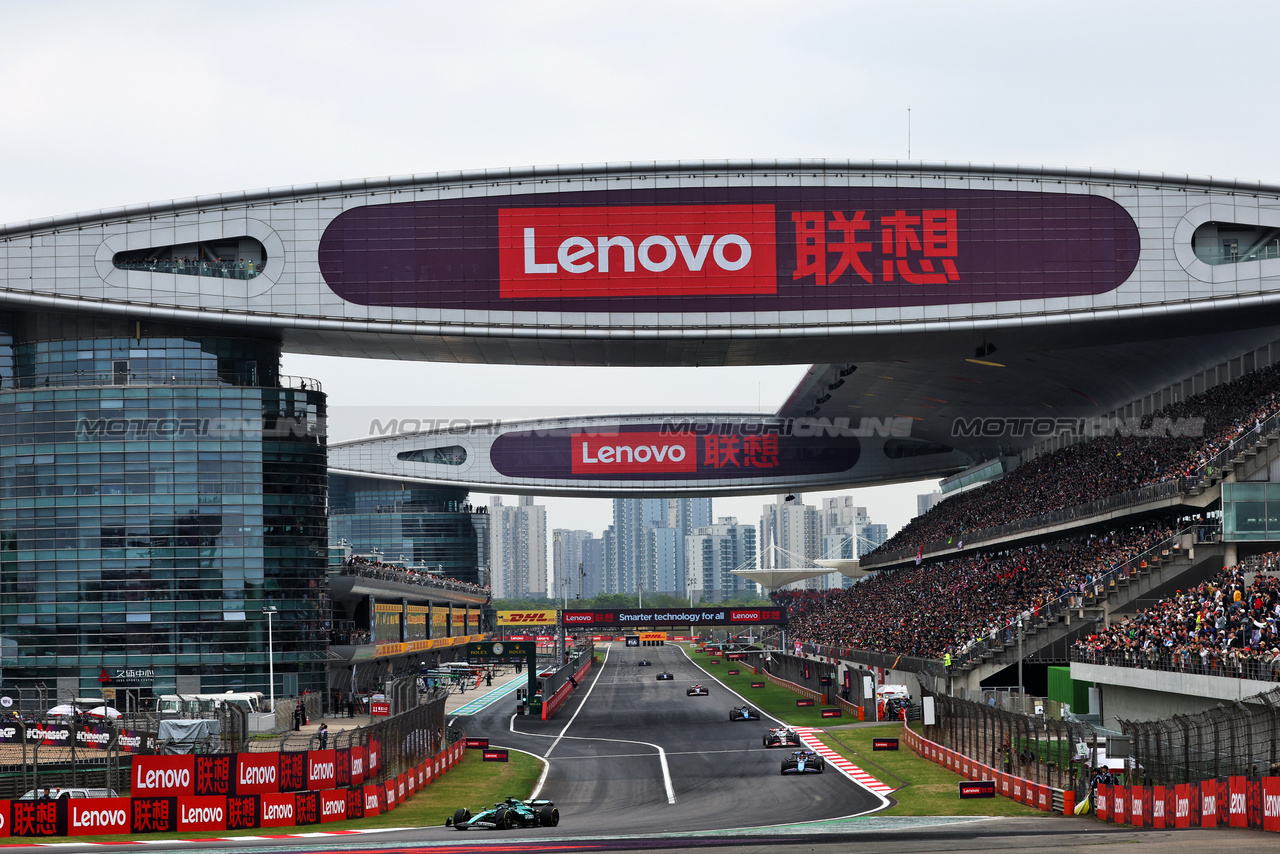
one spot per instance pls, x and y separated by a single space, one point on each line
653 636
526 618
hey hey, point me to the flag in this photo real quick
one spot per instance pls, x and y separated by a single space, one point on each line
919 554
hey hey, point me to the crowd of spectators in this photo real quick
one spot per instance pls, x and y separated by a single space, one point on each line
1102 466
1225 626
220 268
349 637
951 606
371 568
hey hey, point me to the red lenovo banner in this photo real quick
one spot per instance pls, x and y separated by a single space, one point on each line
38 818
293 771
1209 803
153 815
1159 806
87 816
163 776
1103 802
242 812
372 801
213 774
306 808
257 773
333 805
342 768
202 814
357 765
1238 815
373 758
628 453
636 251
355 802
277 810
4 819
322 770
389 788
1271 803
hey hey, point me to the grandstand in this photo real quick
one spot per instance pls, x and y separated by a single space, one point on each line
1106 555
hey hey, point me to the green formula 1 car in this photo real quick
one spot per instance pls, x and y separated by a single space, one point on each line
507 814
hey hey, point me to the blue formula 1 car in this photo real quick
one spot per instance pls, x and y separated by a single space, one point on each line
803 762
507 814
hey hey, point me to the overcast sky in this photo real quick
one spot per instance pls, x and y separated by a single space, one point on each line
108 104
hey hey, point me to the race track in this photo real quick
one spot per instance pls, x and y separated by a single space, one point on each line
606 755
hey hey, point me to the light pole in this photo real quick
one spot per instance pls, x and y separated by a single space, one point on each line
270 611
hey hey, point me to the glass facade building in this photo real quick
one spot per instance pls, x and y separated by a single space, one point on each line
430 528
159 486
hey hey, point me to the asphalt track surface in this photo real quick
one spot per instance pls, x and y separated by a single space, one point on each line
637 765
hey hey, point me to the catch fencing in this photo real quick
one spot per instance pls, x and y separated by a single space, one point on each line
1240 738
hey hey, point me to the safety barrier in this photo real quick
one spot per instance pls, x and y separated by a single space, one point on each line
1045 798
235 791
1231 802
551 706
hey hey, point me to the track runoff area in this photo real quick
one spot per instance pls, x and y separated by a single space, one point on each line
633 754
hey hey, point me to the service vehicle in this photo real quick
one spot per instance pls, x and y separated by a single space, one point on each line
781 737
507 814
665 675
697 691
803 762
744 713
57 793
199 705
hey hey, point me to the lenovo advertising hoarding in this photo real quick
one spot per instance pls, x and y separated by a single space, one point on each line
676 617
675 451
729 249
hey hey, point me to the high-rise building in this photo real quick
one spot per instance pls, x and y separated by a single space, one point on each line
926 501
796 529
645 545
518 549
568 563
593 567
711 553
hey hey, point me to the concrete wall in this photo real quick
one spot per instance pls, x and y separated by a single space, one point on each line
1134 694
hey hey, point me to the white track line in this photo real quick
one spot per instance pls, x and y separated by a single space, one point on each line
662 754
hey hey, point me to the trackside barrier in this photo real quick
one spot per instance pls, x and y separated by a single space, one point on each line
551 706
798 689
1041 797
177 795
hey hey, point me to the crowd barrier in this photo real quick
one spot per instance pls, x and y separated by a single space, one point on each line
1045 798
234 791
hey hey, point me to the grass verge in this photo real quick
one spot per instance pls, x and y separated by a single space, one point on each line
471 783
924 787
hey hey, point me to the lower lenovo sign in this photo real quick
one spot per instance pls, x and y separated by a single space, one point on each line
495 755
978 789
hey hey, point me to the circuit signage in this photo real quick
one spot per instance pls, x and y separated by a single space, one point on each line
500 652
675 617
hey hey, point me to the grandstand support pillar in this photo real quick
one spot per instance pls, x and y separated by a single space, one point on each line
1229 557
1022 691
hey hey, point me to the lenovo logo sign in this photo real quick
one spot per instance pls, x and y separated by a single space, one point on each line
623 453
637 251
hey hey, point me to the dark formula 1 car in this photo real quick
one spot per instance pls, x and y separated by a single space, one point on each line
664 675
803 762
744 713
781 737
507 814
644 662
697 691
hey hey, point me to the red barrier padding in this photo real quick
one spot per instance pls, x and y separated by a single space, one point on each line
322 769
276 810
147 815
1159 805
209 813
357 765
213 774
1120 804
333 805
293 771
1271 803
163 776
355 802
389 795
1102 807
257 774
1209 803
87 816
306 808
242 812
1238 811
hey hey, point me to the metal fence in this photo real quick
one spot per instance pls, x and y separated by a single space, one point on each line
1035 747
1231 664
1241 738
406 739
